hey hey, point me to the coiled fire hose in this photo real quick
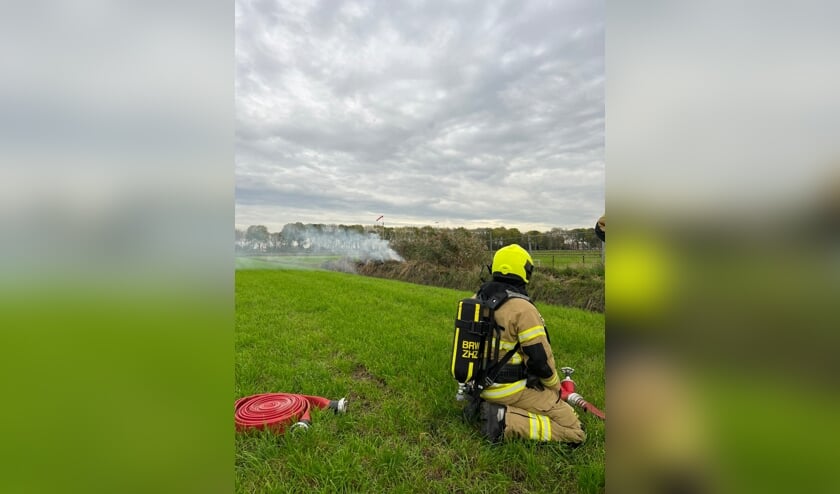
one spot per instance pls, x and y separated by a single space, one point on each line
275 411
568 394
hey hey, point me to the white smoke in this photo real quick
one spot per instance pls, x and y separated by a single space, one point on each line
300 246
335 240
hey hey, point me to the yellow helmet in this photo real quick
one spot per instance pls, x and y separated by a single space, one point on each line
513 260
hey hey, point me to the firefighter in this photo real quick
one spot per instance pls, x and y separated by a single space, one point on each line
601 228
601 232
525 400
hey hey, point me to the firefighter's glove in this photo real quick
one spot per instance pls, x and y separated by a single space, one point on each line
534 382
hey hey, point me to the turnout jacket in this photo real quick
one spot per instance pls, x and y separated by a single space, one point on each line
522 322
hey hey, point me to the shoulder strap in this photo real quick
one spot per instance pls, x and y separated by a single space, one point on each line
496 300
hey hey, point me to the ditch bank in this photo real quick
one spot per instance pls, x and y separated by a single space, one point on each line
582 288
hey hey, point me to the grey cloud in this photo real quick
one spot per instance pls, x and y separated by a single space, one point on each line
397 105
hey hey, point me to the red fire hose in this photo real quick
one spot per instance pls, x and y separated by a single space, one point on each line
275 411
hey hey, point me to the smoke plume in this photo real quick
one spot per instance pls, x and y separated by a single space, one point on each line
353 244
335 240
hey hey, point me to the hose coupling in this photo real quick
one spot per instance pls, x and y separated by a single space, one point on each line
339 406
302 425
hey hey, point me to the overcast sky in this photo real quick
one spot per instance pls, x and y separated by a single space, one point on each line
450 113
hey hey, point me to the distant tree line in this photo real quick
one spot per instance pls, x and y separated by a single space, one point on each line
494 238
298 237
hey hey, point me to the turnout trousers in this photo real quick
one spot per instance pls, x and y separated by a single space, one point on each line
539 415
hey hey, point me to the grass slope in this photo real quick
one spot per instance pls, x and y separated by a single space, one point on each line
386 346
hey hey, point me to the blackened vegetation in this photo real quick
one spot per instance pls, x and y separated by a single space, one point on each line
344 265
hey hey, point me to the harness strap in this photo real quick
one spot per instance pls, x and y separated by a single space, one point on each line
493 371
511 373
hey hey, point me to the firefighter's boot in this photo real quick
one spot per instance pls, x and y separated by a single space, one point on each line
471 410
493 422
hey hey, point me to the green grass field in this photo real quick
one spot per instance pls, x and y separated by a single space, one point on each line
284 262
564 258
385 345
